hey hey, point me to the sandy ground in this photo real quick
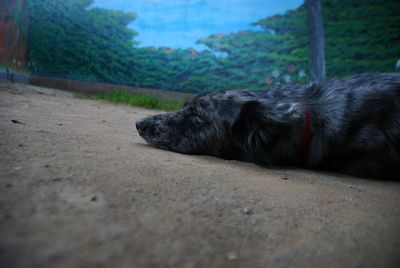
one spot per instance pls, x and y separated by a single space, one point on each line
79 188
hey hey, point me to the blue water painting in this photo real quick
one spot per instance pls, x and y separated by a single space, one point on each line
180 23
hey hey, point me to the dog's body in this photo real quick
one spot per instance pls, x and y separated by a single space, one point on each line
350 126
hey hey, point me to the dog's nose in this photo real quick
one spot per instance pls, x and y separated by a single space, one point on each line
140 126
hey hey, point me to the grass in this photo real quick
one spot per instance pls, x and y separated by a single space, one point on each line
140 99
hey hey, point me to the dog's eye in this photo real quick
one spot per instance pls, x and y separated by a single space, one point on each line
191 110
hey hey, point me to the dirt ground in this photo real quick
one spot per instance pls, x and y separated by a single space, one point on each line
80 188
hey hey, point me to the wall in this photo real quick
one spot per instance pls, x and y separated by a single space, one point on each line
13 34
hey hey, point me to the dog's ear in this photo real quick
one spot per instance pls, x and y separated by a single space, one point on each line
259 124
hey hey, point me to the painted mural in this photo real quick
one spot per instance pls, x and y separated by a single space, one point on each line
13 33
196 45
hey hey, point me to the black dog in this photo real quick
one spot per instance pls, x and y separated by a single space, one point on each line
350 126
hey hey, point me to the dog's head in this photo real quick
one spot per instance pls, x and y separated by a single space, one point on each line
230 124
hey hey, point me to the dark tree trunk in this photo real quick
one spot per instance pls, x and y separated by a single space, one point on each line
317 38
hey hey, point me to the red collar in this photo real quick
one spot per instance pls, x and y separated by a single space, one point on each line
306 137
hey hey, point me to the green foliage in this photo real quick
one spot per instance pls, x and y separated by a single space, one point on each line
140 99
69 39
361 36
72 40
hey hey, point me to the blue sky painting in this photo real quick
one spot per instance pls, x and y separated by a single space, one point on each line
180 23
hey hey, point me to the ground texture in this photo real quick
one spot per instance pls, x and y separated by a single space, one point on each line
79 188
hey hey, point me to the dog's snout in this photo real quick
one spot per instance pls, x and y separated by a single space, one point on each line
140 125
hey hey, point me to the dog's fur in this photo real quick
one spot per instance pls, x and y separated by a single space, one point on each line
350 126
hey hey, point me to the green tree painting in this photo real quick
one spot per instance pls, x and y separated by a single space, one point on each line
72 40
